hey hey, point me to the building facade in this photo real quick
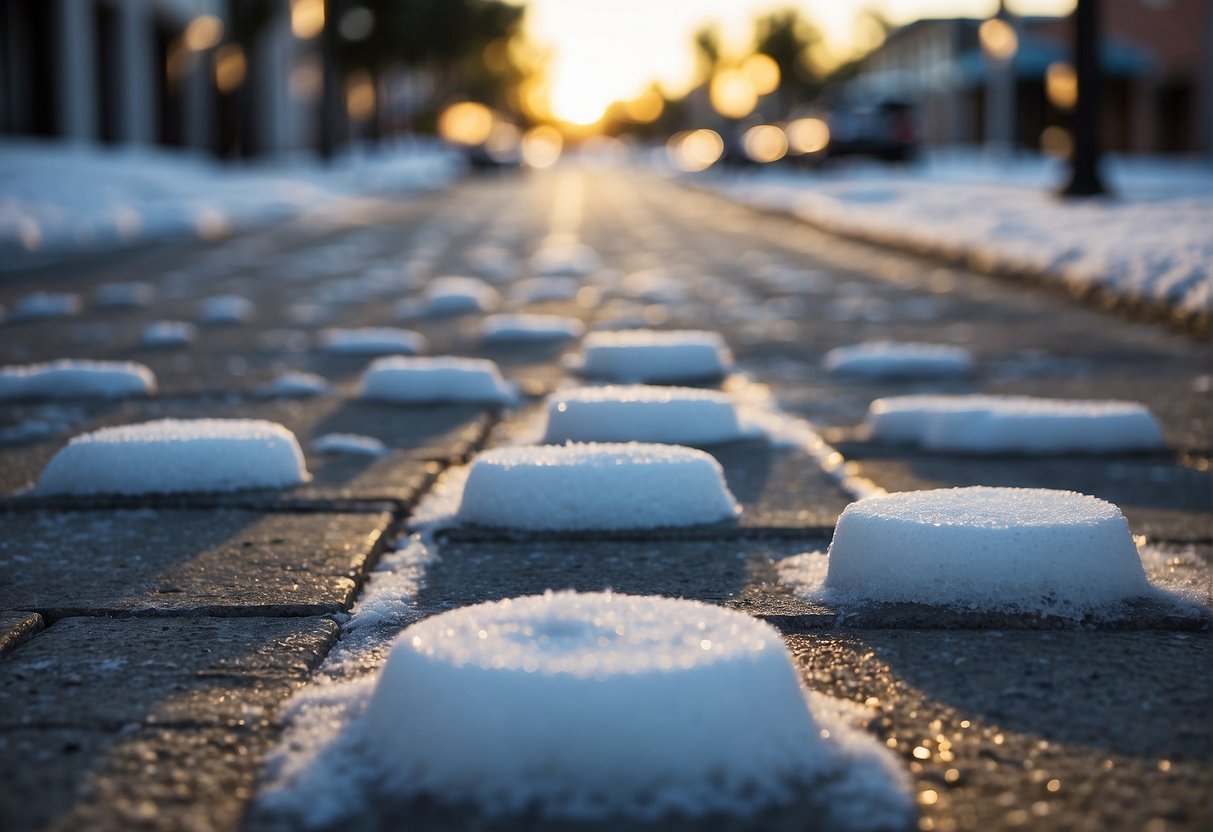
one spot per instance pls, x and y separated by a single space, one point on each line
1156 56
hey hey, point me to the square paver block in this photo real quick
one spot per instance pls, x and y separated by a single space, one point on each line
99 673
194 562
1059 730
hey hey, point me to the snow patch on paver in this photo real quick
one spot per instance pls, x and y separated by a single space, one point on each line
127 294
176 455
505 328
539 289
450 295
41 305
572 487
350 444
588 707
642 413
295 384
564 259
168 334
978 548
442 379
652 356
372 341
891 359
227 309
70 378
1013 424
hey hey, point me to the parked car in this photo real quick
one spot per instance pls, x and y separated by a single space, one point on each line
886 130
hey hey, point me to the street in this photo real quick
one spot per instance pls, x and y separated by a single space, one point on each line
147 644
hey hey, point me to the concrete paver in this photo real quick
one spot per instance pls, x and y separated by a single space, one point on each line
172 562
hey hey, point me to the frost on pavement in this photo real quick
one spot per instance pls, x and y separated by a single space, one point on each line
589 707
349 444
582 486
41 305
372 341
1014 549
168 334
641 413
642 355
176 455
540 289
428 380
69 378
295 384
1013 424
892 359
450 295
227 309
521 327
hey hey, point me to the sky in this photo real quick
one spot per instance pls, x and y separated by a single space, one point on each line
602 53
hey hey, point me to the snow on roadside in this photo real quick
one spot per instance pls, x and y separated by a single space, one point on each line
56 198
1151 243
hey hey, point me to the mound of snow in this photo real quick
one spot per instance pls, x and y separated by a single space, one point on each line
372 341
295 383
1013 424
594 704
445 379
644 355
986 548
564 259
71 378
125 295
227 309
451 295
168 334
176 455
595 486
891 359
502 328
351 444
539 289
641 413
39 305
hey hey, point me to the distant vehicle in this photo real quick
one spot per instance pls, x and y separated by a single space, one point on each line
886 130
481 157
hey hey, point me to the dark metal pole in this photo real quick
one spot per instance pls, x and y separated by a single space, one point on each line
1084 161
330 98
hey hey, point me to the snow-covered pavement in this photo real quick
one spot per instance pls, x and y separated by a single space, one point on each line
1149 243
57 198
234 595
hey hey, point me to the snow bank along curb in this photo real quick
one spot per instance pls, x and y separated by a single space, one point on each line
580 487
651 356
979 548
173 456
1013 424
70 378
641 413
428 380
595 705
1149 256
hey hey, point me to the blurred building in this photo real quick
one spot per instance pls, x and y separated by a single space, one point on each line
1158 94
145 72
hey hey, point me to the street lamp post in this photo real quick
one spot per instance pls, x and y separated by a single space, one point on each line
999 43
1084 160
331 109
